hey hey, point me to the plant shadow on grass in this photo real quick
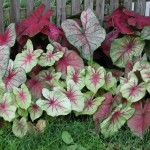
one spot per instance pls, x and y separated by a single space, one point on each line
83 132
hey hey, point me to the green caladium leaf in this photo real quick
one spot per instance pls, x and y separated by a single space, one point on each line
91 104
123 49
49 58
116 120
86 38
141 65
23 112
7 110
56 104
28 58
77 77
23 96
35 112
94 79
19 127
145 34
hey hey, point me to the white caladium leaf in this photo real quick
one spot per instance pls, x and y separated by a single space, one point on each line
14 77
2 88
23 96
20 127
35 112
86 38
49 58
76 76
116 120
7 110
110 81
123 49
145 74
91 104
28 58
4 59
75 96
94 79
56 104
141 65
133 91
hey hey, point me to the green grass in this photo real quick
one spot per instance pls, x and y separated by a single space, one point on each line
83 133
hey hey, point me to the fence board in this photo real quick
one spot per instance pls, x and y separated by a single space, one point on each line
128 4
1 17
75 7
140 6
88 4
60 11
47 4
15 10
30 6
113 5
100 4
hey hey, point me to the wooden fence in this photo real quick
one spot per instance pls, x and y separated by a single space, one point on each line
61 10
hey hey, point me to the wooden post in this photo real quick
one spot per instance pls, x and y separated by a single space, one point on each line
128 4
113 5
30 7
75 7
1 17
88 4
140 6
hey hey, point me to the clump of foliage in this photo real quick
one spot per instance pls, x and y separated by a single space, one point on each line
41 77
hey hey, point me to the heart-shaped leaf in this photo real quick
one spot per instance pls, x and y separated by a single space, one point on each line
88 38
141 65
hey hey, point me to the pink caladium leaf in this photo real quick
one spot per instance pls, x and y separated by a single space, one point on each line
28 58
145 74
23 96
56 103
35 112
128 67
141 65
116 73
140 121
88 38
77 77
14 77
91 104
19 127
52 31
49 58
7 110
94 78
116 120
4 59
9 37
123 49
70 58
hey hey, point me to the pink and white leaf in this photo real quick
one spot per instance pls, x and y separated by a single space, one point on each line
145 74
2 88
7 110
49 58
28 58
76 76
94 79
23 96
141 65
56 103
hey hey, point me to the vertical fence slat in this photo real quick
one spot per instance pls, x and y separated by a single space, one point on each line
15 10
75 7
61 11
100 4
30 7
47 4
1 17
128 4
140 6
88 4
113 5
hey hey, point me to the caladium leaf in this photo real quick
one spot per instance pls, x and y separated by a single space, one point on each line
35 112
2 88
56 104
94 79
116 73
91 104
49 58
77 77
141 65
28 58
9 37
14 77
7 110
20 127
145 74
4 59
140 121
22 112
116 120
125 48
23 96
88 38
145 34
